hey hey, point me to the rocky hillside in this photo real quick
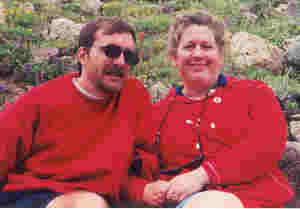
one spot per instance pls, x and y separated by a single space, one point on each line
38 40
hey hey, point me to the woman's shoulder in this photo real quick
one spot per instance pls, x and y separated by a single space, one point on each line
246 83
247 86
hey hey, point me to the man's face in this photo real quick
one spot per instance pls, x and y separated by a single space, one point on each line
104 73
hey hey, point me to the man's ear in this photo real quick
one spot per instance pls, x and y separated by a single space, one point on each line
81 54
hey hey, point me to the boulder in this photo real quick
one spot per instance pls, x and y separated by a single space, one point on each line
63 29
158 91
295 129
251 50
293 8
26 7
288 43
56 2
293 54
42 54
91 6
282 9
251 17
2 13
290 165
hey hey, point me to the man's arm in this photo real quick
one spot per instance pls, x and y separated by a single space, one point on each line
17 131
143 188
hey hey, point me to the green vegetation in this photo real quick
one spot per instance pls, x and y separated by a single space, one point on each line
151 18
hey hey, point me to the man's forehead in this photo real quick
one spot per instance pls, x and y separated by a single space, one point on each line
124 38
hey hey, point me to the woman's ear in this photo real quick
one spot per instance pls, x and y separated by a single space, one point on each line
173 60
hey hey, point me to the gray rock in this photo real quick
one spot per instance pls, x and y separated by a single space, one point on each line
2 13
290 165
251 50
293 54
41 54
90 6
158 91
295 129
64 29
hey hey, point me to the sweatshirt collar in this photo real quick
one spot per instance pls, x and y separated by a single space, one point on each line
221 82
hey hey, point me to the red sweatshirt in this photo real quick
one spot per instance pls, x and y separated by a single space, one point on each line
56 138
242 132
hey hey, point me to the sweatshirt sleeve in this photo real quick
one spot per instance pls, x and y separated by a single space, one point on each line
149 171
18 121
145 128
145 147
260 151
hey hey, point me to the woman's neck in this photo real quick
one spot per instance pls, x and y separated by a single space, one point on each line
197 92
194 94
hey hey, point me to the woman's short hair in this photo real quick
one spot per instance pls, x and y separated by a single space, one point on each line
180 23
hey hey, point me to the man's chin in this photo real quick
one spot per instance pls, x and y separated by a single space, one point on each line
111 88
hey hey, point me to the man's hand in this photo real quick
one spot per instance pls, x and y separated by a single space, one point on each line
186 184
155 193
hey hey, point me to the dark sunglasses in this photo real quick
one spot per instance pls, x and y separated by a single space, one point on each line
114 51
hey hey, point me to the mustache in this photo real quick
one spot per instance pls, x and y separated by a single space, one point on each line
114 70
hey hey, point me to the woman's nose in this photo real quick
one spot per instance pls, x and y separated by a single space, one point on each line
198 51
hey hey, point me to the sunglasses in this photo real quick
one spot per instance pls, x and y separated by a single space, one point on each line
114 51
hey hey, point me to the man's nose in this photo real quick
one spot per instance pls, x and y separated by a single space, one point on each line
120 60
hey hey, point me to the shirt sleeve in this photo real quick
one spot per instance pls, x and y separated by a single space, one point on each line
145 147
260 151
18 122
149 171
145 133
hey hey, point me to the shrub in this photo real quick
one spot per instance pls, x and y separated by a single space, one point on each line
154 24
113 8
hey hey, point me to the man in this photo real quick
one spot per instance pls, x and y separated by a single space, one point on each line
69 142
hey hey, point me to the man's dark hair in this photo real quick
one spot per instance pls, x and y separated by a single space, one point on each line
108 25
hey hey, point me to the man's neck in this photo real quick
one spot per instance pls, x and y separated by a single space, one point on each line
91 91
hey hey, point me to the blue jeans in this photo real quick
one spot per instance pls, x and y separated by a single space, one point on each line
27 199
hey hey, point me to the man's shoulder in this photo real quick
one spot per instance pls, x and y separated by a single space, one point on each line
132 81
52 88
132 84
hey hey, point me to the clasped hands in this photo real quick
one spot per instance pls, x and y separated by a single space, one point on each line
175 190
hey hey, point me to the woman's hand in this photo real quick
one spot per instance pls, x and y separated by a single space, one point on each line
155 193
186 184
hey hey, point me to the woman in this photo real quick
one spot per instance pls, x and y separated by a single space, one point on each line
219 138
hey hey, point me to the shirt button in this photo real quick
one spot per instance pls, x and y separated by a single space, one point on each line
213 125
217 100
197 146
189 122
211 91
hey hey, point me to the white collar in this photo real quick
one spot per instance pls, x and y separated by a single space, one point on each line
84 92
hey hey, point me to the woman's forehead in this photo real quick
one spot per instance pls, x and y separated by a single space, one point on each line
197 32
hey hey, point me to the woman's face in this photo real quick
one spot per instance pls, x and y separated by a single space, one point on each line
198 57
